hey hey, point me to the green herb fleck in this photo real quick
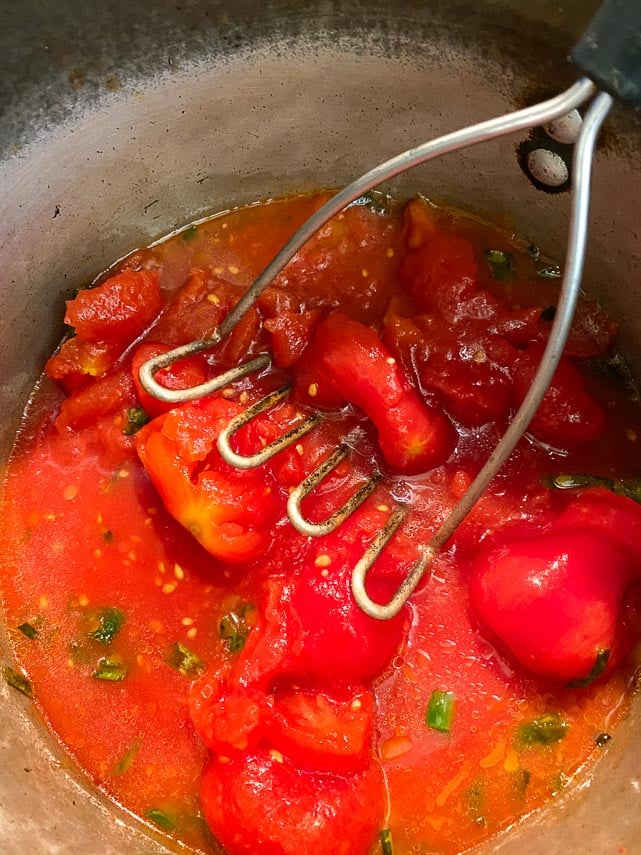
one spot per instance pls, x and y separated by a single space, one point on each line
185 660
552 271
28 630
602 739
474 799
190 233
440 711
500 263
521 778
136 418
126 760
162 818
387 845
544 730
108 536
17 681
558 783
110 622
110 670
598 668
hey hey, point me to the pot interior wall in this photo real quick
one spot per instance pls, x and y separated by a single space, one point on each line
298 108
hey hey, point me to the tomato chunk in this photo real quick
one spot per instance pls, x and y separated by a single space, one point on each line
119 310
228 720
261 802
412 436
440 274
108 395
291 333
320 732
229 512
568 413
79 361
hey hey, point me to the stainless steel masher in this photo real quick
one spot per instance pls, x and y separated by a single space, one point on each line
609 55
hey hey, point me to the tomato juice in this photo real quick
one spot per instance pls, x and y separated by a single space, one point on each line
203 662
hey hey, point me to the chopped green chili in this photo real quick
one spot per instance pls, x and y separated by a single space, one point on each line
440 711
185 660
28 630
500 263
110 670
162 818
521 778
110 622
387 845
233 627
629 487
544 730
136 418
17 681
598 668
126 760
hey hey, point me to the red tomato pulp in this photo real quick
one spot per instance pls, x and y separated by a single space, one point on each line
206 664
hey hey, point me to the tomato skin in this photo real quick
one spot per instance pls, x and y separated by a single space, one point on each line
118 310
568 413
323 733
412 436
258 804
181 375
229 512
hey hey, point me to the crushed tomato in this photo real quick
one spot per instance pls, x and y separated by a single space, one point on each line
222 679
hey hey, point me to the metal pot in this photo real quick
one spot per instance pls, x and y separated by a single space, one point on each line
125 119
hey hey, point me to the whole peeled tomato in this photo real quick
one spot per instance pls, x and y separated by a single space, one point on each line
554 600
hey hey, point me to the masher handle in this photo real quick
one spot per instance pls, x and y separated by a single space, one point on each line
609 52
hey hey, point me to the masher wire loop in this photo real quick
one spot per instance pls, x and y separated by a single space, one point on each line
294 512
528 117
251 461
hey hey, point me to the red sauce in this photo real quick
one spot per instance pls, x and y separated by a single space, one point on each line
121 607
